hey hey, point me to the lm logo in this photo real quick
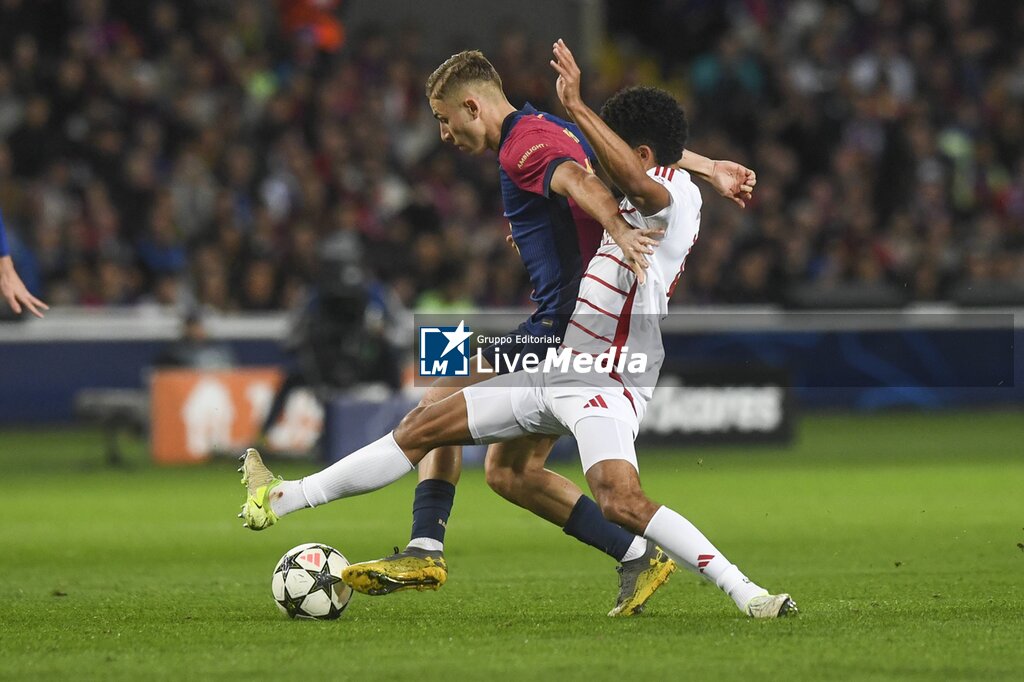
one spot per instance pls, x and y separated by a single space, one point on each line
444 351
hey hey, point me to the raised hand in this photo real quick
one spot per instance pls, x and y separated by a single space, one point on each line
733 181
568 84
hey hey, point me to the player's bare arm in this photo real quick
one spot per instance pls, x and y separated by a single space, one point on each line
732 180
617 158
15 292
574 181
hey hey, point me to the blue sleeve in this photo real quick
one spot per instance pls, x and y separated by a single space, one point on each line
4 249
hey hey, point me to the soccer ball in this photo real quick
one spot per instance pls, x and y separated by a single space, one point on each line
307 582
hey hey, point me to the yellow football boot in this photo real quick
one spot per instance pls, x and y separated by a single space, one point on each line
641 578
411 569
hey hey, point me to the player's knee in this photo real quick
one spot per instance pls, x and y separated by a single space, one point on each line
412 431
430 397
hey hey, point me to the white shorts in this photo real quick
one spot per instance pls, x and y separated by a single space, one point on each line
514 405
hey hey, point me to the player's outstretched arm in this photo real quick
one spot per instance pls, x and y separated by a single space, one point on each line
617 158
574 181
730 179
14 291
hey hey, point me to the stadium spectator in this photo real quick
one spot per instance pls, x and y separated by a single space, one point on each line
195 349
140 142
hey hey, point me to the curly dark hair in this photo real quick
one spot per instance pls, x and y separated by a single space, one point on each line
650 116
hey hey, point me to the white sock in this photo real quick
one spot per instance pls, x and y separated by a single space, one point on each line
688 546
369 468
428 544
636 549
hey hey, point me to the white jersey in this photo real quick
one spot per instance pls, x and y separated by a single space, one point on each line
613 309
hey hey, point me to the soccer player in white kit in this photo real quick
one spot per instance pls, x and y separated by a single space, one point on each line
616 318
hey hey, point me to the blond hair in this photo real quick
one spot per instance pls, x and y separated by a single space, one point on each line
468 66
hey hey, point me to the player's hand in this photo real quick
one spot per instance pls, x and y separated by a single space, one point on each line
512 242
14 291
636 245
568 84
733 181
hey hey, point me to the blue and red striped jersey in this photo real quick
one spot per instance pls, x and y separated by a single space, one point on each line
556 238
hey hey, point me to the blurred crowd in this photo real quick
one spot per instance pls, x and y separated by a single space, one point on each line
888 136
200 153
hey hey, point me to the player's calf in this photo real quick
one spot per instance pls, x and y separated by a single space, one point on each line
616 488
630 510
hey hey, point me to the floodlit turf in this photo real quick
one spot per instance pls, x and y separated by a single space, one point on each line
898 536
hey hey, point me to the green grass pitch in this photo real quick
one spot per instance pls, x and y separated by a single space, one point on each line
900 536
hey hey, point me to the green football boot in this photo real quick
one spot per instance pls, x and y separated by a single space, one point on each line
258 481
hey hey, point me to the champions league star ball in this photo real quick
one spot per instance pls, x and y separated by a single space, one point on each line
307 582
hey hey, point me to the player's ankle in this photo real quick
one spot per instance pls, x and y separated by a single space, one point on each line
287 497
426 544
